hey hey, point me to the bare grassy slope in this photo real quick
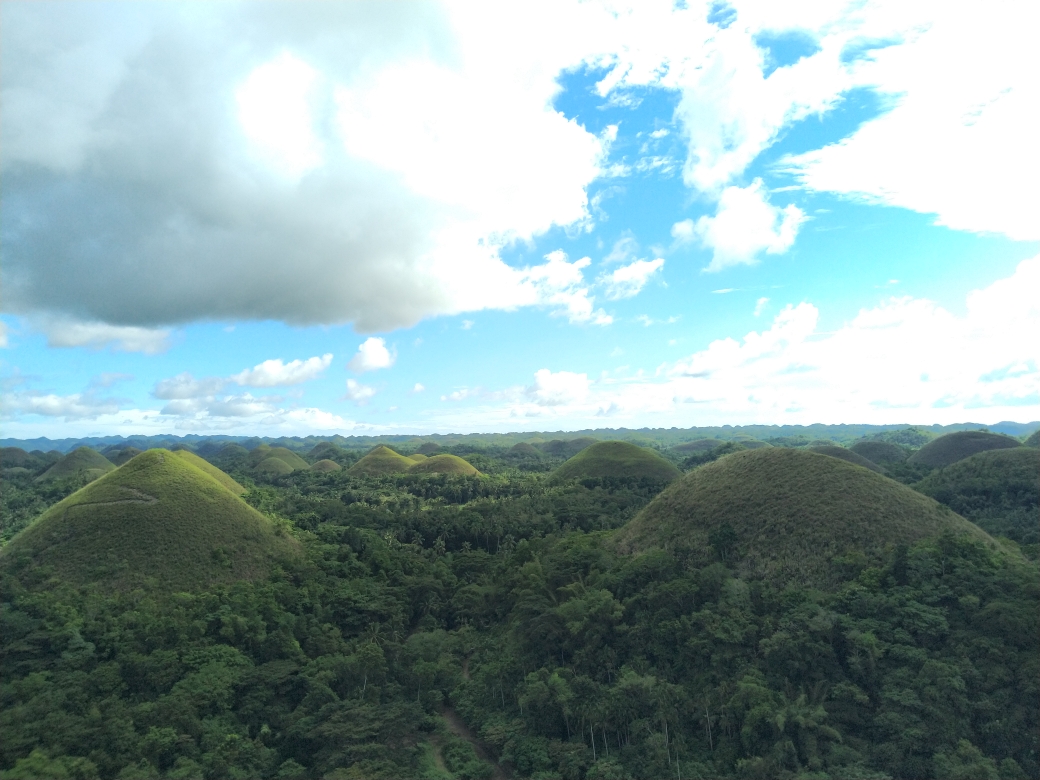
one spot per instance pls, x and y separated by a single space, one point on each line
381 460
82 461
617 459
444 464
953 447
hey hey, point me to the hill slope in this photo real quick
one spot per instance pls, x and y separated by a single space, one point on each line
786 514
80 462
617 459
208 468
846 455
381 460
1033 440
880 452
444 464
953 447
157 521
325 465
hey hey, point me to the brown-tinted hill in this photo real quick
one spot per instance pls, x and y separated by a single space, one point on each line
273 467
208 468
16 457
617 459
698 446
444 464
379 461
751 444
82 462
156 522
880 452
429 448
566 448
785 514
847 455
325 466
953 447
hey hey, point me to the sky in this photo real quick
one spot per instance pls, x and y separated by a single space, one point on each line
308 218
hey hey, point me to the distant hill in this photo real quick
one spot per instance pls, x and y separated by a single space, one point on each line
381 460
698 446
906 437
429 448
998 490
847 455
1033 440
208 468
288 457
953 447
16 457
444 464
120 455
157 522
325 450
324 466
525 449
881 452
418 457
273 467
784 514
566 448
83 462
617 459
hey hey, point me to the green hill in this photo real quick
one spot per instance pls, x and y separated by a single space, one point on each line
905 437
381 460
288 457
429 448
324 450
880 452
617 459
208 468
120 455
1033 440
786 513
847 455
16 457
444 464
566 448
997 490
79 463
274 467
525 449
323 466
698 446
751 444
158 522
417 457
957 446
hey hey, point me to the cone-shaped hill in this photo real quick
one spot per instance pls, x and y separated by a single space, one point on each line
617 459
417 457
429 448
847 455
324 450
381 460
880 452
288 457
208 468
698 446
444 464
1033 440
562 448
525 449
120 455
16 457
274 467
80 462
785 513
325 465
957 446
157 522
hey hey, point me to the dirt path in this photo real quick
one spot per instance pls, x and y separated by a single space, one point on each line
460 729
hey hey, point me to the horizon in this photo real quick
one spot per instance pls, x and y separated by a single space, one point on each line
368 220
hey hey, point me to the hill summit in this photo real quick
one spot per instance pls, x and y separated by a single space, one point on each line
617 459
159 522
784 514
957 446
81 462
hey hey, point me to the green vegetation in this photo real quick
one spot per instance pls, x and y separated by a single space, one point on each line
617 459
417 457
444 464
273 467
847 455
997 490
83 462
1033 440
157 522
698 446
120 455
956 446
208 468
566 448
788 514
881 452
381 460
429 448
525 449
905 437
288 457
326 465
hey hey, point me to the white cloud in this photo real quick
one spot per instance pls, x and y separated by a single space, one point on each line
3 335
560 285
275 373
185 386
561 387
760 305
359 393
78 406
659 133
372 355
744 226
627 281
63 332
418 388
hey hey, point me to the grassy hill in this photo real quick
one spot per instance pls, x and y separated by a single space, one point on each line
429 448
444 464
208 468
16 457
1033 440
880 452
273 467
617 459
120 455
997 490
325 450
82 462
417 457
381 460
784 514
953 447
159 522
287 456
847 455
566 448
698 446
905 437
525 449
325 465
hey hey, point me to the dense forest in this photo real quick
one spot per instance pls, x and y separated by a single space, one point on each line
439 624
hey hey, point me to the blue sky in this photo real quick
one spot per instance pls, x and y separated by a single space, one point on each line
366 218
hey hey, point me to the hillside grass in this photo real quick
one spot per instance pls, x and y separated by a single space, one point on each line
287 456
617 459
208 468
1033 440
418 457
82 461
274 466
788 516
157 522
566 448
381 460
121 455
325 465
847 455
698 446
444 464
881 452
953 447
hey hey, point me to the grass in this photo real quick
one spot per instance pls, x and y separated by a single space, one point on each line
429 448
786 514
698 446
523 448
566 448
953 447
79 462
208 468
1033 440
381 460
418 457
881 452
617 459
326 465
274 466
847 455
444 464
120 455
157 522
290 458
